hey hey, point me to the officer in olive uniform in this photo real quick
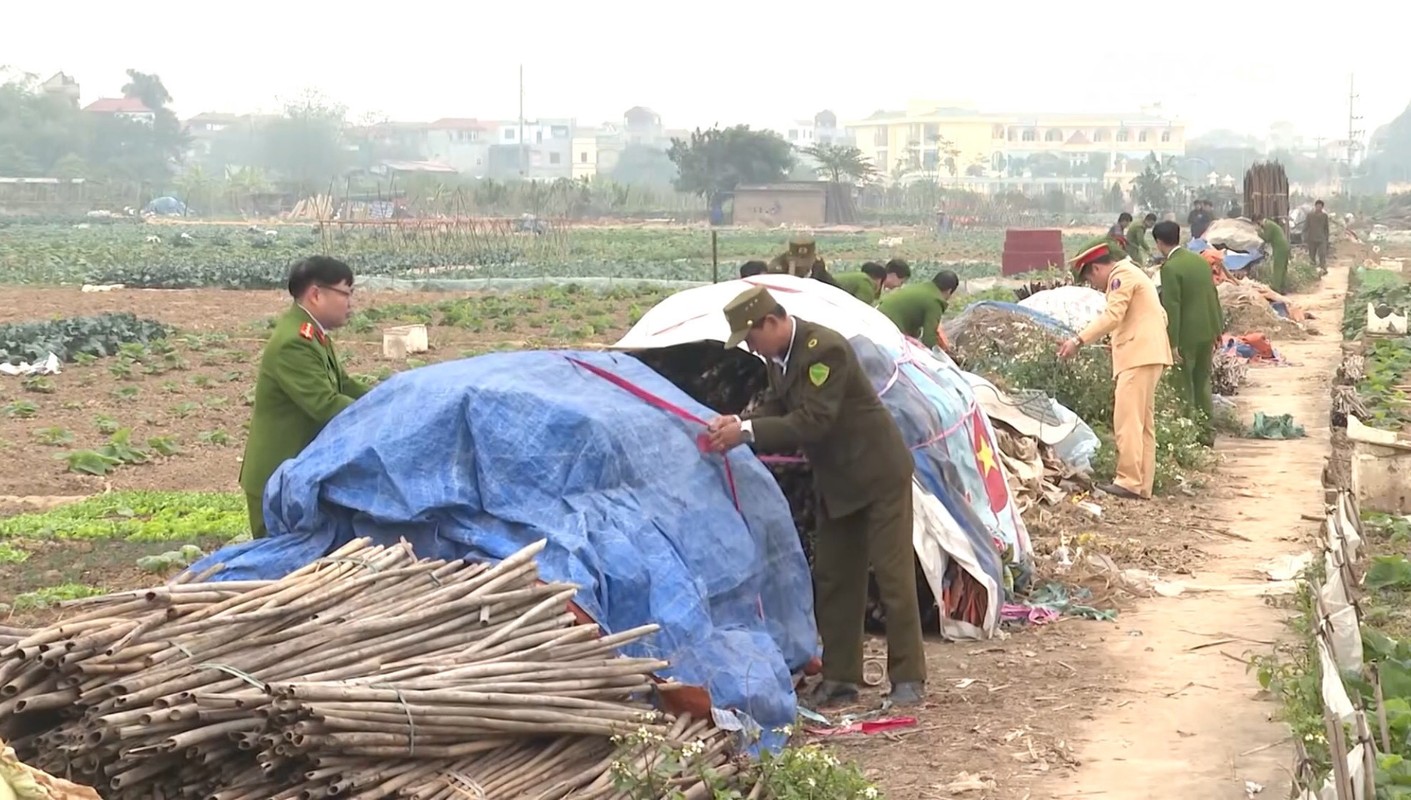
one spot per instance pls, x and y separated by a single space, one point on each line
1194 320
301 383
820 400
801 260
1140 354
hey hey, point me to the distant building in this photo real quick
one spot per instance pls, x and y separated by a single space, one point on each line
463 143
61 85
959 143
821 129
203 129
122 107
597 150
544 153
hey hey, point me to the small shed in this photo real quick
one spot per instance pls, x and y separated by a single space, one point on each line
1030 250
794 203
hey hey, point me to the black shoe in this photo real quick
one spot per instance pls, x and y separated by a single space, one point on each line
1119 491
831 693
907 694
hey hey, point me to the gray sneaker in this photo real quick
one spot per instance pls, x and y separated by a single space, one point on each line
831 693
907 694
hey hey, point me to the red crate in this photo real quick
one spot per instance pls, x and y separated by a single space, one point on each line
1026 250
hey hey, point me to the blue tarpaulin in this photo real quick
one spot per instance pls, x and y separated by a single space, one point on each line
479 458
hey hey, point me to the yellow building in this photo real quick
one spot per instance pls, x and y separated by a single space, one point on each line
959 143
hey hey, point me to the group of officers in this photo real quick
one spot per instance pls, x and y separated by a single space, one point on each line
819 400
915 308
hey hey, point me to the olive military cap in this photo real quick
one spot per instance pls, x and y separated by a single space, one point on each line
747 309
802 246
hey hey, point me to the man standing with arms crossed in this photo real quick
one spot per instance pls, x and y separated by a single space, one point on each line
1140 353
820 400
1194 320
301 384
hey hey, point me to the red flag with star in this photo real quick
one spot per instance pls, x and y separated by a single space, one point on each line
987 462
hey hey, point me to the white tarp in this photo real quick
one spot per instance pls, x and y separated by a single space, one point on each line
957 449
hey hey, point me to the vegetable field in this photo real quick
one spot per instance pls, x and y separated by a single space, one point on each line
231 257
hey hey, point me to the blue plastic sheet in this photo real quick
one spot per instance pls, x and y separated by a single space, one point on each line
481 457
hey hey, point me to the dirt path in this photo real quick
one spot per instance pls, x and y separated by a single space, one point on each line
1187 721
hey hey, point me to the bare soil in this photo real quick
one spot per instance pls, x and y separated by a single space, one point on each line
1185 718
209 394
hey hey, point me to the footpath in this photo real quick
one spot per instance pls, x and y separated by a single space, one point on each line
1186 719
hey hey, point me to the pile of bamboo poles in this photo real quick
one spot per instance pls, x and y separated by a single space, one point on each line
367 674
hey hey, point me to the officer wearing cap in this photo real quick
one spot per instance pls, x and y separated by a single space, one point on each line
820 400
1140 353
801 260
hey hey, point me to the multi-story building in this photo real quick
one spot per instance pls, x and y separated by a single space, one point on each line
462 143
203 129
822 128
545 152
596 150
964 143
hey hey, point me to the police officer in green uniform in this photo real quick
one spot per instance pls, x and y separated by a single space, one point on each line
820 400
1194 320
865 284
1137 248
916 308
301 384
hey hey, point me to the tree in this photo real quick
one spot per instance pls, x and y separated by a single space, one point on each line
305 145
640 165
717 160
838 161
1154 186
157 150
948 149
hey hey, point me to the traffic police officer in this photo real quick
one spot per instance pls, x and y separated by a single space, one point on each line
1140 353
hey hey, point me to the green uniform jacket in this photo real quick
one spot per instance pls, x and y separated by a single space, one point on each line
857 284
824 404
1273 233
915 309
300 387
1137 248
1193 314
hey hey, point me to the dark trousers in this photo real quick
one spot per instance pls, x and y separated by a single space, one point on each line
878 535
255 504
1192 378
1318 254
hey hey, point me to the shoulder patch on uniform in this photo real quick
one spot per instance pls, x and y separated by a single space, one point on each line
812 343
818 374
1114 285
307 330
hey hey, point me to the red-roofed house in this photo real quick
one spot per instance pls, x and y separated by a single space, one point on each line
125 107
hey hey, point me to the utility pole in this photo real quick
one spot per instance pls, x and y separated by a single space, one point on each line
523 154
1354 134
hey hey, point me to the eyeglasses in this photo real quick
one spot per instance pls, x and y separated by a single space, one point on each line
336 290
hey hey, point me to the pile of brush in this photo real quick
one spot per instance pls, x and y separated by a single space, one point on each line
368 674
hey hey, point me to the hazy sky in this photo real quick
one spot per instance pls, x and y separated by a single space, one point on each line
732 61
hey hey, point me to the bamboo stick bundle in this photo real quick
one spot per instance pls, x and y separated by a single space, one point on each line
370 673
